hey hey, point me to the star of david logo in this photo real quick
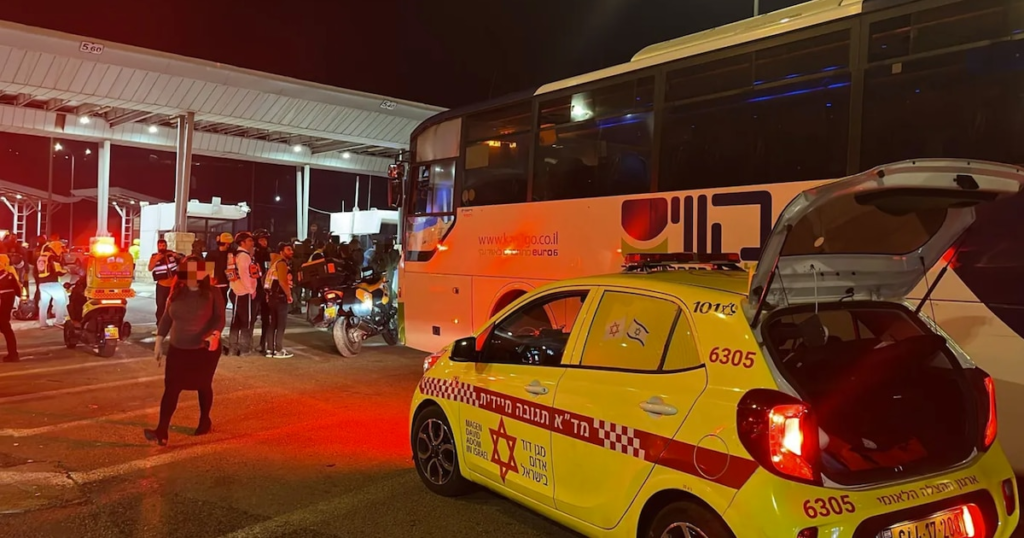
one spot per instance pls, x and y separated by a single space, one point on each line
503 465
613 329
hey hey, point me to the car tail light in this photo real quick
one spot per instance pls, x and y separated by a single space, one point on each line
991 425
974 521
781 433
430 361
1009 496
811 532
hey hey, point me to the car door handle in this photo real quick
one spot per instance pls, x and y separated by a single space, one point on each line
655 406
536 389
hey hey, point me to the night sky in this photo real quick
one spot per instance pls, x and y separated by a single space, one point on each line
442 52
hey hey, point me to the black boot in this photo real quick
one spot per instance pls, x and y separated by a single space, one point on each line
13 357
156 436
205 426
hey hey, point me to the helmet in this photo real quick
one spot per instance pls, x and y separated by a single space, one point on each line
240 237
135 241
57 247
261 233
225 238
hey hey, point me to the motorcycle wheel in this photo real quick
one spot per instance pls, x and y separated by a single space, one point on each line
345 338
107 349
70 338
390 332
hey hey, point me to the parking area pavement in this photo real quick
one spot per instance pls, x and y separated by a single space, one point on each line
311 446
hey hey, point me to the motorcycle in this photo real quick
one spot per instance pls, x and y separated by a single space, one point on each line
97 304
354 310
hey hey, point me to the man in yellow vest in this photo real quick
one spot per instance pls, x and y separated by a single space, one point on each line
49 269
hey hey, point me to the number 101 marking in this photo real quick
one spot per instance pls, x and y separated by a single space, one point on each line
726 309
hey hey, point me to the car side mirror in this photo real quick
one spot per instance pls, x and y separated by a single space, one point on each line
464 350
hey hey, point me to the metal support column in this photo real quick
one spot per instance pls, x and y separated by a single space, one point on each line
305 197
103 191
39 219
49 190
183 175
300 228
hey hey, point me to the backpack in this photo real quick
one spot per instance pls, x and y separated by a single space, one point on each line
27 310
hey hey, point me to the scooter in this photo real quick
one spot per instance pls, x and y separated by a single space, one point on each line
362 310
98 303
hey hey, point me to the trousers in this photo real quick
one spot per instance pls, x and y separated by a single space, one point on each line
52 291
240 339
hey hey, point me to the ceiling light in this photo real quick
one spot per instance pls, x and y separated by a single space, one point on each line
297 148
277 198
88 151
346 155
18 196
152 129
84 120
58 147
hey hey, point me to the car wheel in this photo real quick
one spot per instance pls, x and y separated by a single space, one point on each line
346 338
437 458
686 519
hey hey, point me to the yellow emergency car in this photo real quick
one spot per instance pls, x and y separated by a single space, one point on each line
687 397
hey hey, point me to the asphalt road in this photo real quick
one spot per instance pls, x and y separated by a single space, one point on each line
312 446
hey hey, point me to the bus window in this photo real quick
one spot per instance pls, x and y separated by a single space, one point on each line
793 133
791 124
596 143
959 23
497 156
963 104
435 184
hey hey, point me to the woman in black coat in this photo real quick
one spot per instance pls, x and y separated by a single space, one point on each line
193 323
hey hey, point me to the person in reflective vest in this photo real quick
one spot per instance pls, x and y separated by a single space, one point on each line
219 258
243 275
261 256
278 284
164 266
10 288
49 269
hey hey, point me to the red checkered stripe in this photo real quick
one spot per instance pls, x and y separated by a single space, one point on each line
449 389
619 438
647 446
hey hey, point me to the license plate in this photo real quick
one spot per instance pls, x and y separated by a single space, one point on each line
331 312
951 524
111 333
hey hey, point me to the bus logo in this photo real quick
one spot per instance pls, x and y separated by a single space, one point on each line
648 223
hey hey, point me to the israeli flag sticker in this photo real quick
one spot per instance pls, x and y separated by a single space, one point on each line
638 332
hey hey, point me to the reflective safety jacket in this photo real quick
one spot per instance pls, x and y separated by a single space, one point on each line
49 268
243 273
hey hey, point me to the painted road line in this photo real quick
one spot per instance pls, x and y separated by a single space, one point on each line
72 366
167 456
324 514
29 432
75 390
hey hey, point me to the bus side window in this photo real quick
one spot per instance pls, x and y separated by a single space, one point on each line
497 156
777 115
596 143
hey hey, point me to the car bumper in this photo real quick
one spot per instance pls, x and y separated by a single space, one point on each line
769 506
